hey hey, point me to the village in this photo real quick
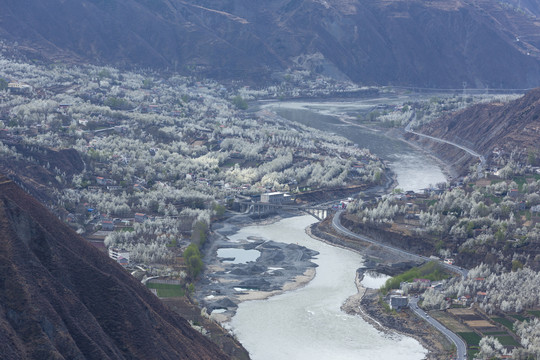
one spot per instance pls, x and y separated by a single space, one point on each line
155 158
453 224
157 161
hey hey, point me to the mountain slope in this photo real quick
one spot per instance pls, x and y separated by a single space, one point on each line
60 298
507 128
441 43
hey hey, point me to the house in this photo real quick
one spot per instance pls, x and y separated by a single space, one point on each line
513 193
464 300
481 296
398 302
138 187
102 181
410 194
19 88
437 286
116 253
288 199
140 217
107 225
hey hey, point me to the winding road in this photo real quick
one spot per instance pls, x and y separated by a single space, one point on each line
480 157
461 347
336 223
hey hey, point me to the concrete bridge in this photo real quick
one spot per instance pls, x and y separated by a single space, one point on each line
260 208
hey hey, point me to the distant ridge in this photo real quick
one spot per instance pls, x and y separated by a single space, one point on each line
435 44
60 298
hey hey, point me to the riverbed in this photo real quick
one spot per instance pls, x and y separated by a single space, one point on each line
308 323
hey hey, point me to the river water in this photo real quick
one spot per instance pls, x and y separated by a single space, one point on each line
413 168
307 323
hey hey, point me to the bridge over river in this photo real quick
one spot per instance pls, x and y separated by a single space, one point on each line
319 212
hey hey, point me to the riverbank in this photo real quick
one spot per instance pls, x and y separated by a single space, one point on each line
227 282
367 304
308 323
241 232
448 170
404 323
399 134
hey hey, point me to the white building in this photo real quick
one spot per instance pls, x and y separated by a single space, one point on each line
116 254
273 198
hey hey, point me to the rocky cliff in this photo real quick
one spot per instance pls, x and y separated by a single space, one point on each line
60 298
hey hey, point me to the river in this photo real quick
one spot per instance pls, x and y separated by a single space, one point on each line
307 323
414 170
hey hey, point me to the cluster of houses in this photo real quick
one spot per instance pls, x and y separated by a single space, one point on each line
19 88
108 224
397 300
104 182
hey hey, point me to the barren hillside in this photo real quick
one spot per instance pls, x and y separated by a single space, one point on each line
60 298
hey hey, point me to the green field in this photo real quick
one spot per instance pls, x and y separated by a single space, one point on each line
520 180
471 338
432 271
471 354
507 340
534 312
519 317
495 333
167 290
505 322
